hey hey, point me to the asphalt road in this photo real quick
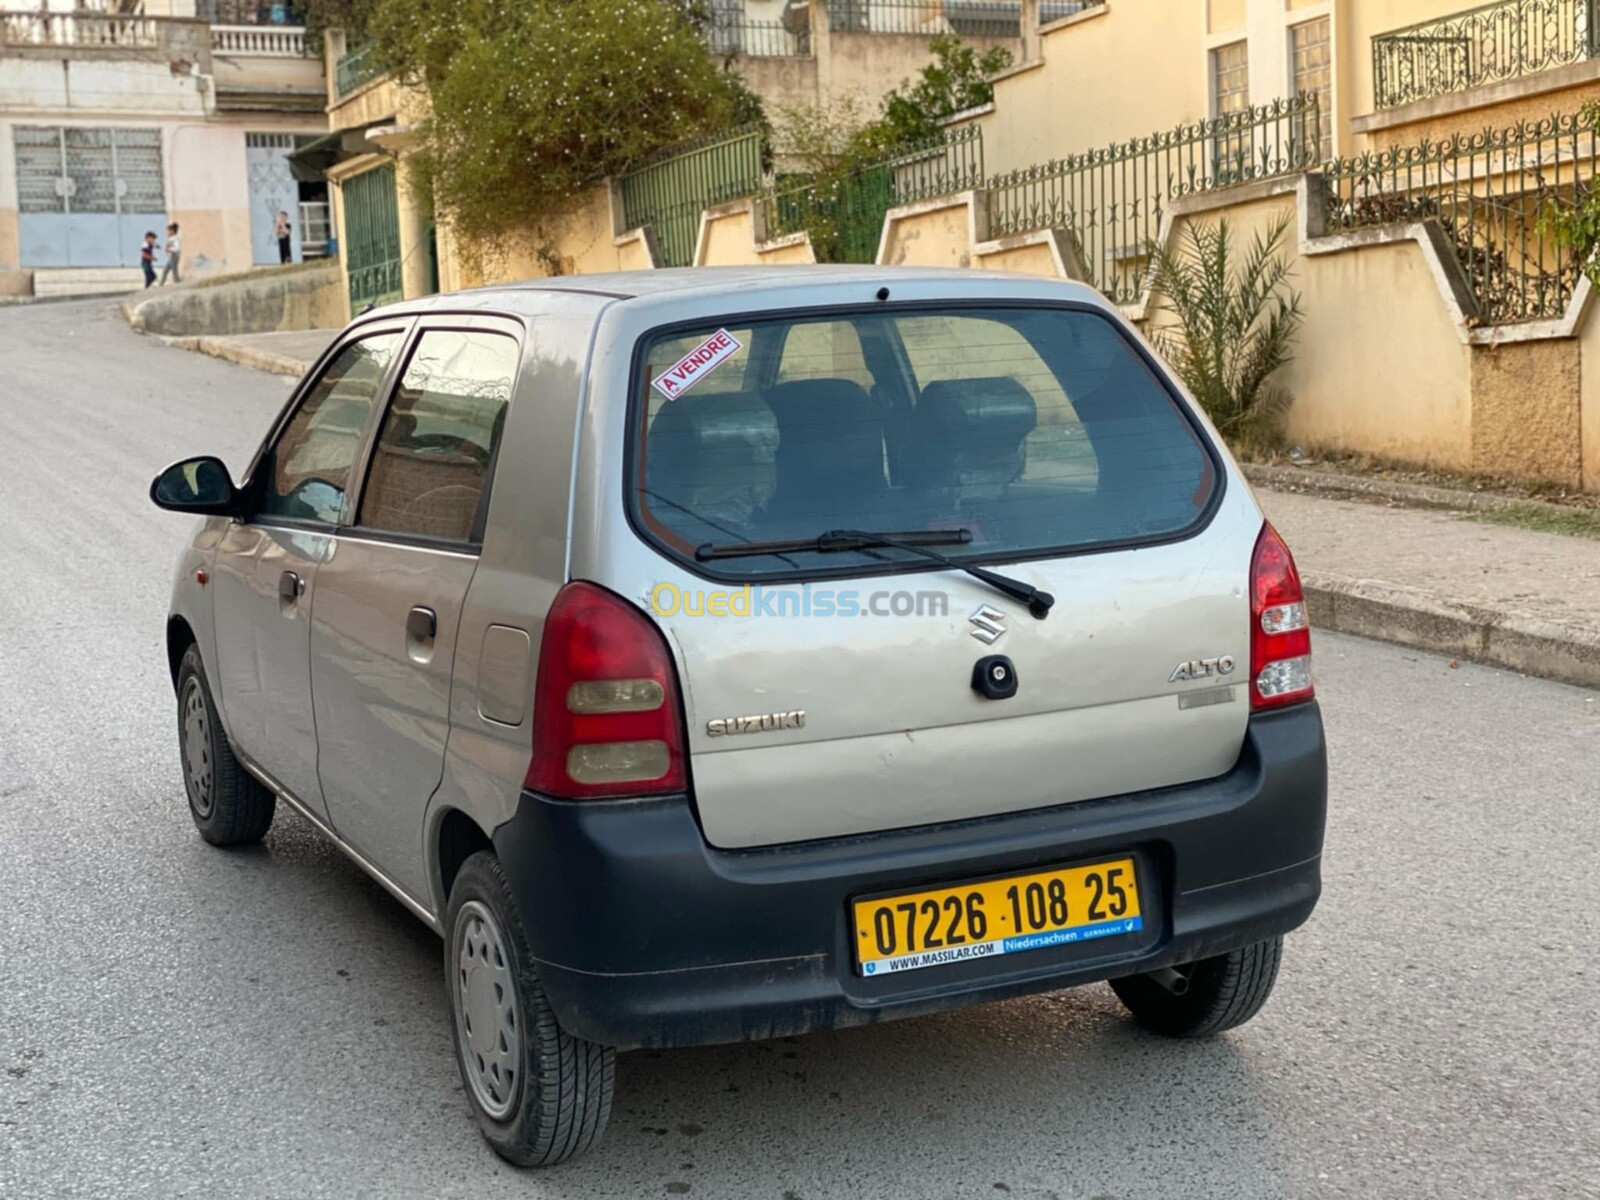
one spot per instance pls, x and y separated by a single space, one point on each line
179 1021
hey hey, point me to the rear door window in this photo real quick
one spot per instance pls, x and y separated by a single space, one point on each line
430 467
1036 430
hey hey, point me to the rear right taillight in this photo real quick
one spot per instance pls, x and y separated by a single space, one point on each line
606 717
1280 633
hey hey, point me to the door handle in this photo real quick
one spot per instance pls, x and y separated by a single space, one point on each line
290 587
422 624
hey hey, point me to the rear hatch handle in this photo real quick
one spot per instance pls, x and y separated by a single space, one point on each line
915 541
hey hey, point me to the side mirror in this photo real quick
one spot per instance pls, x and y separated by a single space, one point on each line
196 485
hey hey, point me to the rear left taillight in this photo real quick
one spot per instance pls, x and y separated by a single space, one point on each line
1280 633
606 715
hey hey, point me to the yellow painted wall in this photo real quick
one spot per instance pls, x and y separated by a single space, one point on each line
1379 366
1090 91
1589 400
730 242
936 237
1525 407
1468 122
1027 260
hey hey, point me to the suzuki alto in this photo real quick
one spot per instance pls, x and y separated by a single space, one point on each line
729 654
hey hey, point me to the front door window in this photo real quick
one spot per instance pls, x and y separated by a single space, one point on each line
308 471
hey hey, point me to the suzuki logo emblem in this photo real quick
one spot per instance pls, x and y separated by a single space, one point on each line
989 624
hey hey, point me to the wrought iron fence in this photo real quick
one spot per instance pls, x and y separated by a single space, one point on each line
1502 40
1489 193
354 68
734 33
669 191
969 18
250 12
1113 199
844 215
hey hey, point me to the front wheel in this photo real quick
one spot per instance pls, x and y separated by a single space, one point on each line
1206 997
541 1096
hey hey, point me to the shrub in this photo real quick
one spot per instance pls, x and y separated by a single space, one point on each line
535 101
1233 325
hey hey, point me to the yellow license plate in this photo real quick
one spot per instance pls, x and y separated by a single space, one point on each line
996 916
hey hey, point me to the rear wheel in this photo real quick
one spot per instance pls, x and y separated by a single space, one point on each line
541 1096
1206 997
230 807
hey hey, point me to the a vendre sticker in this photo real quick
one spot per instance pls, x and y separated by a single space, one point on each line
697 364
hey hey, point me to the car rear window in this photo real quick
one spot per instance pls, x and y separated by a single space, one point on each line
1038 430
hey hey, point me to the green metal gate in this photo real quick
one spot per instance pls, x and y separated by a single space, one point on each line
372 238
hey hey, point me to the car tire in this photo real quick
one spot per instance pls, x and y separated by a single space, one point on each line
230 806
1222 993
541 1096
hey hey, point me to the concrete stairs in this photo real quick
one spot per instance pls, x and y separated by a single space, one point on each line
86 281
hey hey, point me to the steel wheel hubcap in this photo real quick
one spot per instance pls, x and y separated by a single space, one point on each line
197 765
488 1028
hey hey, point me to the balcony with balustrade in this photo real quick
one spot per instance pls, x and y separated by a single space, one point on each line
261 59
1496 43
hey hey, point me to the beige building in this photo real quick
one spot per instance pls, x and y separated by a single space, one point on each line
117 118
1414 149
811 53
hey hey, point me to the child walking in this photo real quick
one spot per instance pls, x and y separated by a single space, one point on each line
174 250
147 258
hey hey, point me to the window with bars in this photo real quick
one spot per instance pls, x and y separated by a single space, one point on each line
1311 62
1230 94
96 169
1230 79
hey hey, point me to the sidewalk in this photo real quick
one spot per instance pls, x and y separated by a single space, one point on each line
281 353
1423 577
1511 597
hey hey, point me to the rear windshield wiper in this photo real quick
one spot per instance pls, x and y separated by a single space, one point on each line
914 541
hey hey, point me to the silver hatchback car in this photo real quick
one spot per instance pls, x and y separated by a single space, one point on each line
731 654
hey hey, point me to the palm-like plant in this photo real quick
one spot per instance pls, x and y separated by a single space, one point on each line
1232 326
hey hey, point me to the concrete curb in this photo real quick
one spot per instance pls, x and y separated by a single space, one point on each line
1420 619
245 356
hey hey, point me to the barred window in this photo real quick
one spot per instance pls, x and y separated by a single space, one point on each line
1230 79
1311 51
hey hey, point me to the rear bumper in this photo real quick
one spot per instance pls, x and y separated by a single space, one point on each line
647 936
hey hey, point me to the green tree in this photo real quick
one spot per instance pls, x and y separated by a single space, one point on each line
532 102
957 79
1227 326
1573 220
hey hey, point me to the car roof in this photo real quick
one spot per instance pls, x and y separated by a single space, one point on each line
667 285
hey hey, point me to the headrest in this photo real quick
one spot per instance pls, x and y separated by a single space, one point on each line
830 429
713 451
969 431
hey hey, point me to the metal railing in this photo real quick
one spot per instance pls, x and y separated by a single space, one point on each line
1490 194
85 29
969 18
669 191
737 34
844 215
354 68
1503 40
259 41
1113 199
250 12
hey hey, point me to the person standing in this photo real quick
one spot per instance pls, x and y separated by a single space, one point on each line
285 238
174 251
147 257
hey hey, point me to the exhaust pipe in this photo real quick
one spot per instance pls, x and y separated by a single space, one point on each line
1170 980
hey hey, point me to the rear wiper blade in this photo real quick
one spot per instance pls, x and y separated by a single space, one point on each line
915 541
